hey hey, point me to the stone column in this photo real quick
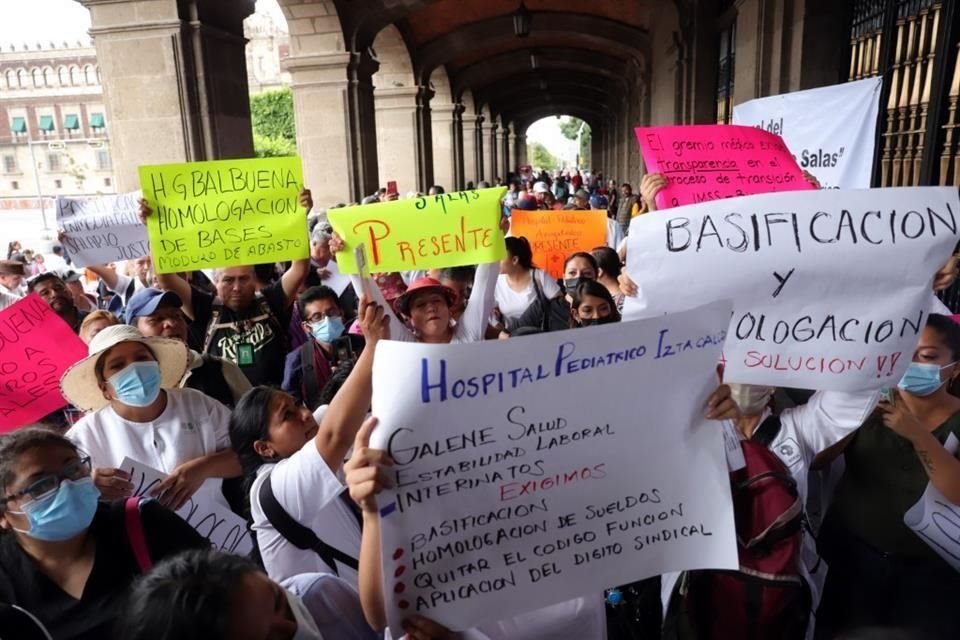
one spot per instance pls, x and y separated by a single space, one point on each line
445 146
504 155
458 158
484 148
397 132
175 86
335 119
424 149
469 124
492 167
514 161
521 149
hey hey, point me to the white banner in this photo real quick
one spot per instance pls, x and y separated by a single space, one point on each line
102 230
535 470
830 288
206 511
831 130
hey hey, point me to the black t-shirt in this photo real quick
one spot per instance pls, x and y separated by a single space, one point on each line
266 336
114 568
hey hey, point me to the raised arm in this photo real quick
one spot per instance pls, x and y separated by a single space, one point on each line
339 424
476 316
942 468
365 480
294 276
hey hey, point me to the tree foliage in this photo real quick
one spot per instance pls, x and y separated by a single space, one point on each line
569 127
274 131
539 157
272 147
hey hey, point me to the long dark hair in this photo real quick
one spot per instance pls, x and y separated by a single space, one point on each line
608 260
594 289
249 422
519 248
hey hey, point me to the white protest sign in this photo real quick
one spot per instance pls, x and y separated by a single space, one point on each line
102 230
937 520
207 511
335 280
831 288
535 470
831 130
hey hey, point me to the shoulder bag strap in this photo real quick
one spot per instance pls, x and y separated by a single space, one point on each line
544 302
135 534
308 373
298 535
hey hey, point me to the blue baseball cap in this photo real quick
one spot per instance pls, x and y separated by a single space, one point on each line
598 201
145 302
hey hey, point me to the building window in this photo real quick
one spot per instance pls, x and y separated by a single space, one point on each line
97 122
14 185
37 78
53 162
103 160
18 126
725 72
107 182
58 184
9 164
47 125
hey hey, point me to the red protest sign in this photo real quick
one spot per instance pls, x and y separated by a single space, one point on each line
36 347
710 162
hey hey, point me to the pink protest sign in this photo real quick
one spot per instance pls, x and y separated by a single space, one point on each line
710 162
36 347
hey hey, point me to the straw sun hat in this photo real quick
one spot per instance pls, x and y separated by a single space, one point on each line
79 383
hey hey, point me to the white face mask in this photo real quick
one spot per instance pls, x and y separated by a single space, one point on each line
751 399
306 626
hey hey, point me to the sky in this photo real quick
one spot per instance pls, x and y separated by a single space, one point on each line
43 21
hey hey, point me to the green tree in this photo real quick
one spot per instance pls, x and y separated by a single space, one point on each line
569 127
540 158
274 132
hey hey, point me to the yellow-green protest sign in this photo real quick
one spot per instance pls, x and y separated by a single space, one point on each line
225 213
447 230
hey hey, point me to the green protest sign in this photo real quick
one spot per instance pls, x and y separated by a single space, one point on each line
224 213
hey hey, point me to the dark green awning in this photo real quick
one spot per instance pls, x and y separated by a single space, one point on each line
71 122
19 125
96 121
46 123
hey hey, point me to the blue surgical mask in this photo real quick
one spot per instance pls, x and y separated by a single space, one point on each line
138 385
922 379
62 513
327 330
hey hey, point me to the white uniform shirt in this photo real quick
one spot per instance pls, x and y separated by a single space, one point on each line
806 430
307 489
512 303
191 426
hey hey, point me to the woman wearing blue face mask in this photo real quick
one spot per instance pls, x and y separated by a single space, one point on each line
128 384
309 367
882 572
66 558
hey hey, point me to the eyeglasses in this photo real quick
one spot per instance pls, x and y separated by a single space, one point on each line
76 469
320 316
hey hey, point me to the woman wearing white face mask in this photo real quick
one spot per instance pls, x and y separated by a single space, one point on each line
208 595
66 559
882 573
128 384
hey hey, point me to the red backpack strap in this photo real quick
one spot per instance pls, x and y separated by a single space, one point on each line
135 534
